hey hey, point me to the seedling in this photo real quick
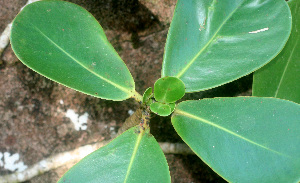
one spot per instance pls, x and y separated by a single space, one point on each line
210 43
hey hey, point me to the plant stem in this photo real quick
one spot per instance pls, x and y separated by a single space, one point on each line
140 117
131 121
145 120
138 97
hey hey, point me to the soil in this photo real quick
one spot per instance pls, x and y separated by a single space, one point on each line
33 109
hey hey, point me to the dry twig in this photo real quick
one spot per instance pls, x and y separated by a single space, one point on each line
4 38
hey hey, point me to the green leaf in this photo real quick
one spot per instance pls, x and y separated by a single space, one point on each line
147 95
243 139
214 42
131 157
65 43
280 78
172 106
168 89
160 109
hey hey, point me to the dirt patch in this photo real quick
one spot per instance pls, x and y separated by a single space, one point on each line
33 109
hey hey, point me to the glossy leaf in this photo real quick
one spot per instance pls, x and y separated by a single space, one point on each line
147 95
132 157
214 42
65 43
168 89
243 139
161 109
280 78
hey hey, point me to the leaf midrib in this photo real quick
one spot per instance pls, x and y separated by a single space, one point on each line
135 149
207 44
78 62
228 131
285 68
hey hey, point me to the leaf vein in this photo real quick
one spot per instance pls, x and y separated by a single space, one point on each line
138 141
78 62
207 44
228 131
285 68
